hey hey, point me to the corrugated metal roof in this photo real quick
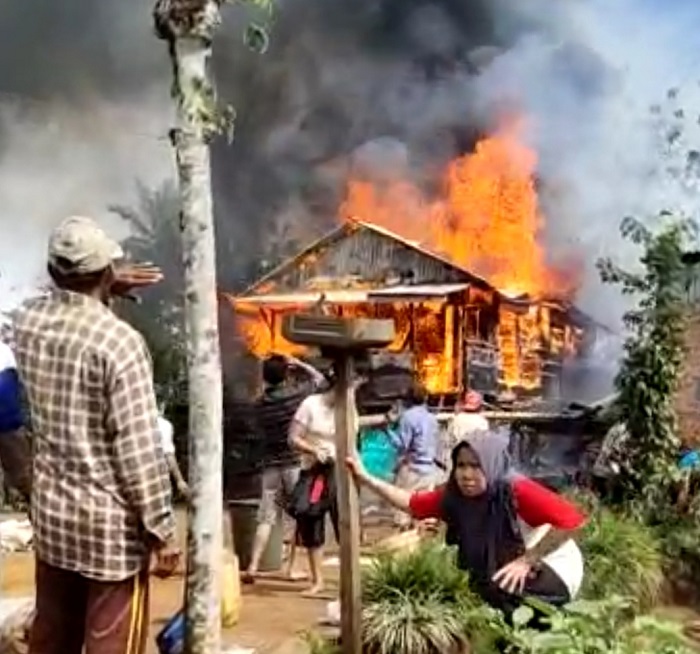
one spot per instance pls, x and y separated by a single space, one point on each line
356 296
421 248
346 228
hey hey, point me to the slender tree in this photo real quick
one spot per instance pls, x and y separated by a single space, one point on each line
653 358
188 27
155 236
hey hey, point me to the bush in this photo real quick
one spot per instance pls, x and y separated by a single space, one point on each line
623 558
596 627
421 603
679 539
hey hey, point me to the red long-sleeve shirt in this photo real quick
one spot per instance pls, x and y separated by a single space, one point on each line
535 505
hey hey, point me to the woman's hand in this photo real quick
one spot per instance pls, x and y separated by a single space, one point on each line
356 469
512 577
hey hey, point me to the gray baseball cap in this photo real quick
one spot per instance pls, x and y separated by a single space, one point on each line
79 246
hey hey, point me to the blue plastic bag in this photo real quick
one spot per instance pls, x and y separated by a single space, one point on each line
689 461
378 454
171 639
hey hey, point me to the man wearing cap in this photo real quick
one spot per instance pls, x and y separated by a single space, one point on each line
101 503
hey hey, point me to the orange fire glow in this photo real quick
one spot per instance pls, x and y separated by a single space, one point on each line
486 220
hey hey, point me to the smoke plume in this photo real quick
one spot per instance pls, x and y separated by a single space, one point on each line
391 85
383 85
83 116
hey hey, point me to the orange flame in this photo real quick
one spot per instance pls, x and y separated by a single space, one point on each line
487 219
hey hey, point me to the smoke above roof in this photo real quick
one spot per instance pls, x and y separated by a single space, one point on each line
391 84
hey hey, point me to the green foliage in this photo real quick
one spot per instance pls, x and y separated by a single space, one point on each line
429 570
256 35
317 644
595 627
653 357
679 539
420 602
623 558
153 225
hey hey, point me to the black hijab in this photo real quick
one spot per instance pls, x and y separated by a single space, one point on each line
485 528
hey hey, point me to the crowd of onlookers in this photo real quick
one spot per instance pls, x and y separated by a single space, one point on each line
102 461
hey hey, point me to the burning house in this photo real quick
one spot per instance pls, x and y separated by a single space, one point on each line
459 268
454 329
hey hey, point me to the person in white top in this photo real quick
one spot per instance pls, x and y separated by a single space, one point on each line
313 434
468 418
168 445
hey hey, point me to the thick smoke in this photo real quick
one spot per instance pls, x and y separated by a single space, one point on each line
590 81
385 86
410 84
83 116
399 87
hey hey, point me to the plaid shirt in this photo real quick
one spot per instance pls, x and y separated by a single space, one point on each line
101 489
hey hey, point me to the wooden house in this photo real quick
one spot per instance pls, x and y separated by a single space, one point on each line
454 329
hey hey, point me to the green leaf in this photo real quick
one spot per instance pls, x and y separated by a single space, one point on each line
523 615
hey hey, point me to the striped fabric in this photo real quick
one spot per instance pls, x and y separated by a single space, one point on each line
10 402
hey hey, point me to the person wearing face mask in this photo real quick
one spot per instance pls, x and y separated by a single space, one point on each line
514 537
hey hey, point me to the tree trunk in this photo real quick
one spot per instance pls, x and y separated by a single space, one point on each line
188 27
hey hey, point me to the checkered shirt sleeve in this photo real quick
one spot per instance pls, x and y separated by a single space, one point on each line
133 417
101 489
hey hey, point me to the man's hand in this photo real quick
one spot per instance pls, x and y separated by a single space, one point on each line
167 560
133 276
324 454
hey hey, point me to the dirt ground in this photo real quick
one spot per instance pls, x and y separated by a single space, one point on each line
273 614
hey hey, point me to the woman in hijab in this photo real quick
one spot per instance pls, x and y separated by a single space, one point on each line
514 537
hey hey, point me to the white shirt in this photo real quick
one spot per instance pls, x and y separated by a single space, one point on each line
165 427
464 424
566 561
7 357
317 416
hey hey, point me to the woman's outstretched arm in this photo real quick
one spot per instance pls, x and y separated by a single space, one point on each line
397 497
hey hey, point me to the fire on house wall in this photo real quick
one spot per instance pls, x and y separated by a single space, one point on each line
484 220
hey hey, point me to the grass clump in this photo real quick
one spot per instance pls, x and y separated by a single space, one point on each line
420 602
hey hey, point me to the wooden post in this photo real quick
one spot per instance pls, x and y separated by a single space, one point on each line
348 509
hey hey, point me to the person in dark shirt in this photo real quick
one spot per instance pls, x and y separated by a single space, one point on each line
275 410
